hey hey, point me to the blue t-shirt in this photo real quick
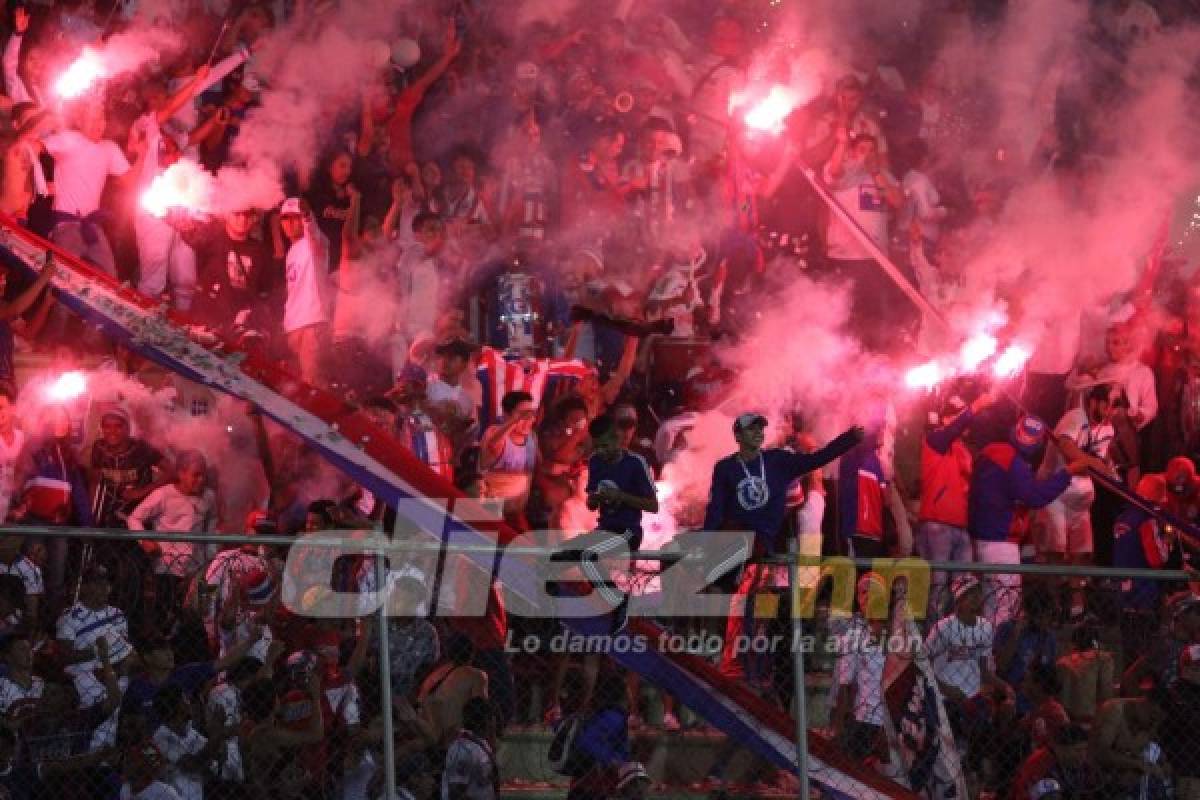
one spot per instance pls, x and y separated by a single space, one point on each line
631 474
139 697
1035 647
753 496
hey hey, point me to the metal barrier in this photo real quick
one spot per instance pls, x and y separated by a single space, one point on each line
990 682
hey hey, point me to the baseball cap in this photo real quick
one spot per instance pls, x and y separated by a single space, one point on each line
1043 788
963 584
290 206
630 772
1028 433
748 420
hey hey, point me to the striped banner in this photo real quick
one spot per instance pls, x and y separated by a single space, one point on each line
545 379
383 466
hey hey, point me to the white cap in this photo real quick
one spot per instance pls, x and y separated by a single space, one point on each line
291 206
1044 787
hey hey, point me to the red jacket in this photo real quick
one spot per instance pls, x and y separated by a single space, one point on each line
946 474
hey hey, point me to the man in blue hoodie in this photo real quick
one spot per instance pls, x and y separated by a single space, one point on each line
749 492
1003 480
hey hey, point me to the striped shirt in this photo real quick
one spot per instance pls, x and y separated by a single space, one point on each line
81 627
545 379
28 572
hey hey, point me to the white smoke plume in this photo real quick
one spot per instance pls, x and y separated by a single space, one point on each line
314 70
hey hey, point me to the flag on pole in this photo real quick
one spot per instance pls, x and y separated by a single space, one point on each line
920 740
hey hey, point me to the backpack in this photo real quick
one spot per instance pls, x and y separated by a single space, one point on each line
563 758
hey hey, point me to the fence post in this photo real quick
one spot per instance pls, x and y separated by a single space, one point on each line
801 690
385 677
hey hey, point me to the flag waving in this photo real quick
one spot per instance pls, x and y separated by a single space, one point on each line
920 741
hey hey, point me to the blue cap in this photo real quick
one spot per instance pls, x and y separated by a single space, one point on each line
1028 434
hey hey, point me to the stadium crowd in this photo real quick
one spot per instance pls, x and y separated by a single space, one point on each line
522 250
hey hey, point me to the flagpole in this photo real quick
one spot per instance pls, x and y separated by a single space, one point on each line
801 689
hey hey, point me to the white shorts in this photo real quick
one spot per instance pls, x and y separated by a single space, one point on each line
1064 530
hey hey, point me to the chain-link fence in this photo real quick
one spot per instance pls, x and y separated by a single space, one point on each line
210 666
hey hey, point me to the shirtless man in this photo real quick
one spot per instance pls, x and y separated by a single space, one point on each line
1123 728
22 178
1086 674
447 688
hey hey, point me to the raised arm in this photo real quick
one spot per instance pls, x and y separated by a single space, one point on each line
804 463
14 87
451 50
26 298
836 167
185 95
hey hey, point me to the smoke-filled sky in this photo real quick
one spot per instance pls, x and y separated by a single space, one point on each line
1059 246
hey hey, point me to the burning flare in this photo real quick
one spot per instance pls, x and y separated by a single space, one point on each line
977 349
926 376
1011 361
183 185
81 75
768 114
66 387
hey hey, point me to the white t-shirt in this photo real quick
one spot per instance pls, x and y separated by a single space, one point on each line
860 664
923 203
469 763
857 192
155 791
171 511
81 168
955 651
1092 439
28 572
189 785
226 698
1137 381
307 279
420 290
8 464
